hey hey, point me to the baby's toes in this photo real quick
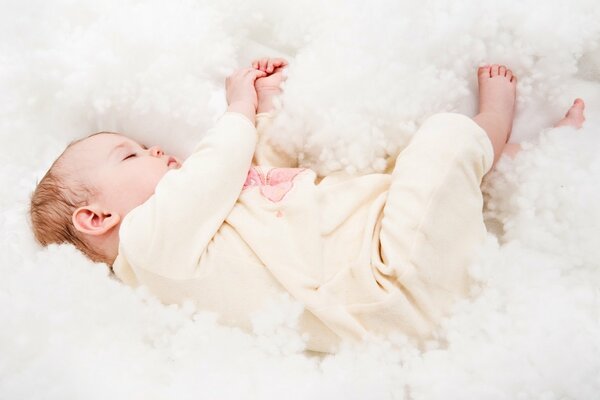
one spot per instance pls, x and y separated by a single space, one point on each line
502 70
509 75
495 69
484 71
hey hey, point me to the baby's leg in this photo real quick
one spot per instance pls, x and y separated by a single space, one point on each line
497 93
432 221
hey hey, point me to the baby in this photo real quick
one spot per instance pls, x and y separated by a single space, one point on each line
237 223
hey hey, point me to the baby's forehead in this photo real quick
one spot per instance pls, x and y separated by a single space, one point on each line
101 142
94 148
105 138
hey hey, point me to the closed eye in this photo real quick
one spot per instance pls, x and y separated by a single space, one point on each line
130 156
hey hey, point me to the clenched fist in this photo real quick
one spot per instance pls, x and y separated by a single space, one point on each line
268 86
274 68
239 86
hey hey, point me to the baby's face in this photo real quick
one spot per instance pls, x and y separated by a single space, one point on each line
123 173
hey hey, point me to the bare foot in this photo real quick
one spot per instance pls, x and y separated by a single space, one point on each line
497 95
574 117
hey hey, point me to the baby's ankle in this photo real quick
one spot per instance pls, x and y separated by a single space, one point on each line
499 124
497 127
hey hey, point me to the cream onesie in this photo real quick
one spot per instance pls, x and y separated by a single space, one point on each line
239 224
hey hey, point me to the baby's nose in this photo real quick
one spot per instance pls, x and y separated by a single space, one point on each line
156 151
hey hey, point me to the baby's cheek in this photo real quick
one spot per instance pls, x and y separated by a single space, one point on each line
143 187
152 180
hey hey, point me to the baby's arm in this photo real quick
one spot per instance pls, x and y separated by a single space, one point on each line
169 233
266 152
266 89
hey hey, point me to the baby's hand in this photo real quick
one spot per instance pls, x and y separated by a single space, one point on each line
269 64
240 92
269 86
274 68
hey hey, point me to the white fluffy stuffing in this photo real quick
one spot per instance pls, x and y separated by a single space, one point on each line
362 77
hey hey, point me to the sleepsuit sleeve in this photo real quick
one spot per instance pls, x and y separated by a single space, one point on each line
267 153
168 234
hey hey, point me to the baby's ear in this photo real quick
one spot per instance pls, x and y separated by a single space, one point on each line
92 220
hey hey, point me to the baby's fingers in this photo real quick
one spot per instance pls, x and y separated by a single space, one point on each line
269 64
254 74
245 72
262 64
276 62
244 76
272 63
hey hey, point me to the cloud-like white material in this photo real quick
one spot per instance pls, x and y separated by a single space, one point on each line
362 77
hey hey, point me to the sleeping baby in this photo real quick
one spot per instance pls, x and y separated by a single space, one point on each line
238 223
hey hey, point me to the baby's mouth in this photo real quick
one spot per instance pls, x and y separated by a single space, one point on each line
172 163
